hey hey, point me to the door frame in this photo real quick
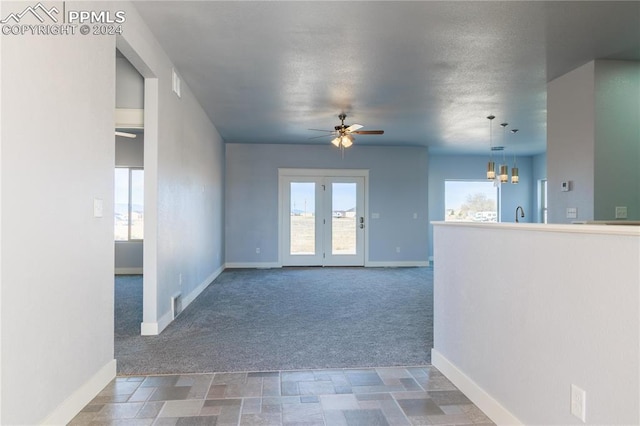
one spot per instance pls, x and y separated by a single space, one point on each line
284 173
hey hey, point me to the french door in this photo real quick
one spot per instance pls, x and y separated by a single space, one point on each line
322 220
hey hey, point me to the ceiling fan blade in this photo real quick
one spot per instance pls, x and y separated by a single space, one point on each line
322 130
354 127
369 132
125 134
322 136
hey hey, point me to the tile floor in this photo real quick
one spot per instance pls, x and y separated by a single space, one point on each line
362 397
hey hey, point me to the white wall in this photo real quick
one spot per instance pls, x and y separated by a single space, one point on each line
517 327
571 143
593 141
184 181
397 190
57 258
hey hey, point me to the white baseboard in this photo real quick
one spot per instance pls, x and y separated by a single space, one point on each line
155 328
129 271
149 329
483 400
392 264
186 301
369 264
71 406
253 265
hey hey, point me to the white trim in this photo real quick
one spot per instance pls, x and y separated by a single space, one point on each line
283 173
204 284
129 118
155 328
396 264
253 265
149 329
481 398
71 406
129 271
324 172
578 228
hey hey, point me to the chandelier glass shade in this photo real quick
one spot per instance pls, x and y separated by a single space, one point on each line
343 141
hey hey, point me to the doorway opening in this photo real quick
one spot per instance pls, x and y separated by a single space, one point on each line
322 217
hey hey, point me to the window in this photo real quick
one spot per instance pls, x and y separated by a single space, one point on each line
470 201
129 204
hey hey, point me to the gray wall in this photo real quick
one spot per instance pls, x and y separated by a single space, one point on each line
129 254
129 85
617 155
184 182
397 190
473 167
593 140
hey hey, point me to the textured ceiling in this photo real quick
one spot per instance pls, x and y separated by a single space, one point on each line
428 73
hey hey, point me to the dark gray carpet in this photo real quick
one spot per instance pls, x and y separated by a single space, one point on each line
285 319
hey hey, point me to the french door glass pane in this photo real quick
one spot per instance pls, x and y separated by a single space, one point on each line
303 218
343 221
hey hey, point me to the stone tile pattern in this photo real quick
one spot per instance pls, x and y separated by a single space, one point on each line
341 397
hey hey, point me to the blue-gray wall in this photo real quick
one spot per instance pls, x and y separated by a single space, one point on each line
473 167
617 135
397 190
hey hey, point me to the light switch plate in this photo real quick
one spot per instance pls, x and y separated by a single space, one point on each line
98 207
621 212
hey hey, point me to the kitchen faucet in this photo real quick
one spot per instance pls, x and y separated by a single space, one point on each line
521 213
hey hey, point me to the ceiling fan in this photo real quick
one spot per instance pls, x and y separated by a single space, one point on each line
343 133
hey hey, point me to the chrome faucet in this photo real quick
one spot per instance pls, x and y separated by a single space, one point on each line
521 213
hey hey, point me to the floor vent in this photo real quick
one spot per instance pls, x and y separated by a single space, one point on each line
176 304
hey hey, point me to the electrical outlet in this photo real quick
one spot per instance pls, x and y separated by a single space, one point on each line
621 212
415 215
397 249
257 250
572 212
578 403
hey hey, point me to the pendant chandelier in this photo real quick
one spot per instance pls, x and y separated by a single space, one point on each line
491 165
504 169
515 178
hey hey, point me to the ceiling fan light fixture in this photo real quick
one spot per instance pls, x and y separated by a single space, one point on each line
347 141
336 142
